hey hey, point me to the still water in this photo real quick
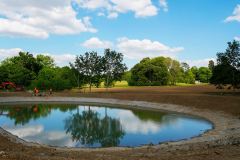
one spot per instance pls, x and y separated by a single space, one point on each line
97 126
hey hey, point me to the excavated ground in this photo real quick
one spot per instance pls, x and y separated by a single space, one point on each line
220 107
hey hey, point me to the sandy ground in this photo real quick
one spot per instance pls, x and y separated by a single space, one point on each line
221 143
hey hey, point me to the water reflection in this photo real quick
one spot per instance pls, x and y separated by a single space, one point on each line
23 114
91 126
90 129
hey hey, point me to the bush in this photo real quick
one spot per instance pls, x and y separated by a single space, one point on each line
55 78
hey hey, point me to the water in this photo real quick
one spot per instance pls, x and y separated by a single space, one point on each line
97 126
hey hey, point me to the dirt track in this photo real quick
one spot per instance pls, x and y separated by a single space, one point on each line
200 97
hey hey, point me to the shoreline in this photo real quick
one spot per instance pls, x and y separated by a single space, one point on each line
226 128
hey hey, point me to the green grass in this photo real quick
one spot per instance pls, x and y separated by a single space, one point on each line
187 84
124 84
118 84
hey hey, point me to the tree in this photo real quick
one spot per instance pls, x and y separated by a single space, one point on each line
90 66
227 70
211 65
204 74
21 69
45 61
187 75
195 72
113 67
150 72
174 70
185 66
28 61
3 74
16 72
55 78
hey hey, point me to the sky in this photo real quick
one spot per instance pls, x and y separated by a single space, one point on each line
191 31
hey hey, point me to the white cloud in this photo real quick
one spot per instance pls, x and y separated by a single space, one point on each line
25 131
141 8
6 53
95 42
235 15
100 14
164 5
112 15
30 18
94 4
131 124
138 49
62 59
200 62
237 38
37 133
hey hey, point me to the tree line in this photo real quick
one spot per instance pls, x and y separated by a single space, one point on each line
166 71
91 69
88 69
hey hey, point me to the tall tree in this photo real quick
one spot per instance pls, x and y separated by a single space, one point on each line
113 66
90 66
185 66
227 70
211 65
174 69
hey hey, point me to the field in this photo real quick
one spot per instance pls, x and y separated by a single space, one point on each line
204 97
200 96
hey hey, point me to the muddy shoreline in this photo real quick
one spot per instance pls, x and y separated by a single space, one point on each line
226 129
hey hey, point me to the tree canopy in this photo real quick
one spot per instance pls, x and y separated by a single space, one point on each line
160 71
227 70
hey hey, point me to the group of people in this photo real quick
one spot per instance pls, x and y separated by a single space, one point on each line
37 93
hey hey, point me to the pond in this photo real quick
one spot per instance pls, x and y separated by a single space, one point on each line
90 126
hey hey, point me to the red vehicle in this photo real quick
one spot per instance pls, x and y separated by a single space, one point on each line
11 85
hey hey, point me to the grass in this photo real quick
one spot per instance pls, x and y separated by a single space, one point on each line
124 84
187 84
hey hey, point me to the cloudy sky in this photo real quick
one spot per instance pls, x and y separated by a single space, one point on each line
187 30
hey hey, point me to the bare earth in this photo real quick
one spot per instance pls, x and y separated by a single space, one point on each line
221 108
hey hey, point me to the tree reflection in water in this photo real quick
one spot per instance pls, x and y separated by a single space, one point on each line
88 128
23 114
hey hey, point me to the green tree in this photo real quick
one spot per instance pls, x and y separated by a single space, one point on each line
127 76
3 73
55 78
174 70
21 69
227 70
16 72
28 61
90 66
204 74
150 72
187 75
211 65
185 66
45 61
113 67
195 72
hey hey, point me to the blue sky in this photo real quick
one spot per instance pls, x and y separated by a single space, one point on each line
187 30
